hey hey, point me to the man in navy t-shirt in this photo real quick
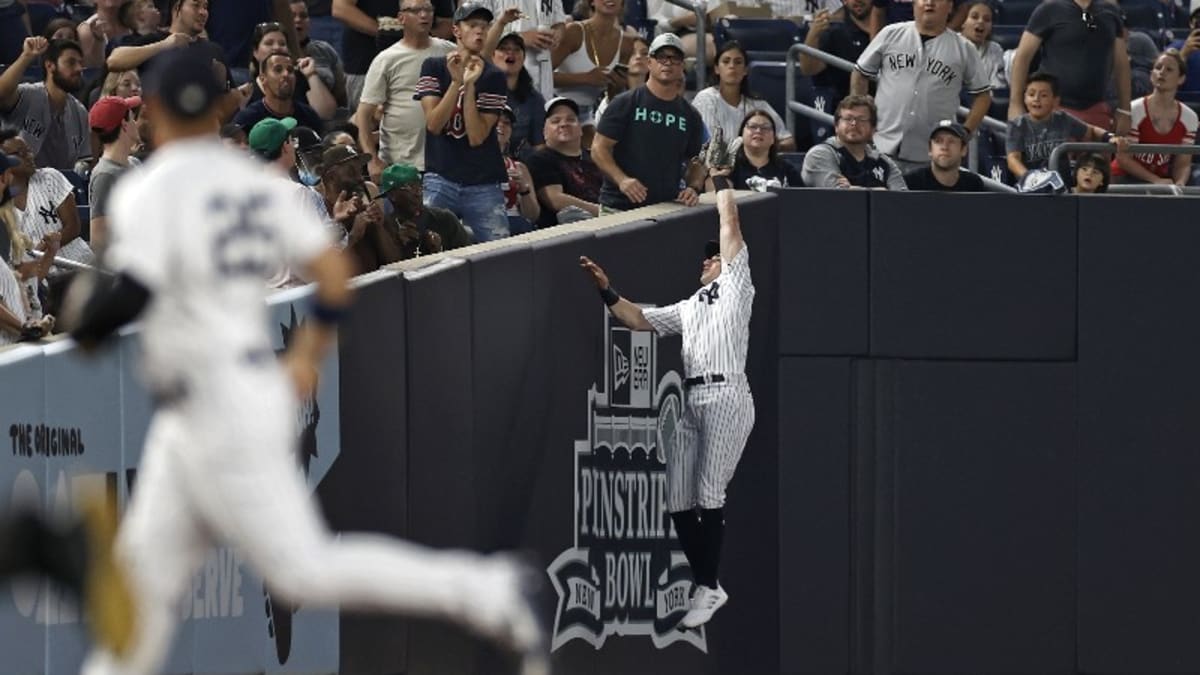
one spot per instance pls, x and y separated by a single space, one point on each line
463 95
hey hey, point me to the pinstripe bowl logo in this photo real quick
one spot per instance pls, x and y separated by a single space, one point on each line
625 575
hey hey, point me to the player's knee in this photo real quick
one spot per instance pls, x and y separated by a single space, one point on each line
302 582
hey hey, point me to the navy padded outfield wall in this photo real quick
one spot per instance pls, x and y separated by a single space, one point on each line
974 449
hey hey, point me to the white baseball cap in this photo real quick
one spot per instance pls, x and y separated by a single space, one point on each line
669 40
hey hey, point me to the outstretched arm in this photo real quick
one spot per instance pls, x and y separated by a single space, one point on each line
731 229
625 311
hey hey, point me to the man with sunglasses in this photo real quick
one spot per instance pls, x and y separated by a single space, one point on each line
649 135
1080 42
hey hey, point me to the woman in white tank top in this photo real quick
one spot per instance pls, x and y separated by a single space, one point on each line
584 60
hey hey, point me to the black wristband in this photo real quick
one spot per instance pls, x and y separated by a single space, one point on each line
324 314
721 183
609 296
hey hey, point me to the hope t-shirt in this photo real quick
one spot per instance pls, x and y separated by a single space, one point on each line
655 138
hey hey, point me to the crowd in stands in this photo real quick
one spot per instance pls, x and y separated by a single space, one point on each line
417 126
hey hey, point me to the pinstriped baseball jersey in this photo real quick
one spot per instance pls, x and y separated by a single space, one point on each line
12 298
919 84
47 190
714 322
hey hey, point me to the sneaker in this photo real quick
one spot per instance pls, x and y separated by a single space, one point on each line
516 622
107 599
705 603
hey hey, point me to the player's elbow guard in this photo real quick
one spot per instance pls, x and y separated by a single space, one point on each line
97 306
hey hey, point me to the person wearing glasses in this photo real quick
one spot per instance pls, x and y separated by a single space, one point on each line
648 137
1080 42
849 160
757 165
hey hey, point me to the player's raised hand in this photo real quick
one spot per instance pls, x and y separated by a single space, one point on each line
595 271
34 46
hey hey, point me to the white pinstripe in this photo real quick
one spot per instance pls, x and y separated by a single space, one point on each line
12 298
715 324
47 189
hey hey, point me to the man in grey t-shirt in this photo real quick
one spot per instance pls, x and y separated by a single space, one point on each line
51 120
114 120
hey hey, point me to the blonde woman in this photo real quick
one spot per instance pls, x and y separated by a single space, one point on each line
16 310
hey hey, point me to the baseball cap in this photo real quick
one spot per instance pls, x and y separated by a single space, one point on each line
185 82
470 9
7 162
562 100
396 175
712 248
110 111
953 127
268 135
666 40
341 154
306 138
514 36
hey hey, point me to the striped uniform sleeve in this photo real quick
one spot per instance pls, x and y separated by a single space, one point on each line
429 83
491 93
738 269
665 320
976 78
870 61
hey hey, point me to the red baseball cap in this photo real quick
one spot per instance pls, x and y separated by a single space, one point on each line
109 111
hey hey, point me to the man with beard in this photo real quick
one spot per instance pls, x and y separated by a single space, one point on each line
846 38
53 122
947 147
277 76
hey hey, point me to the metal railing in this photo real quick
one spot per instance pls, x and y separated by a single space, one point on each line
60 261
994 125
697 8
1131 188
825 118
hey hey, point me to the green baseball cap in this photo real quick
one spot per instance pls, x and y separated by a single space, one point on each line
268 135
397 175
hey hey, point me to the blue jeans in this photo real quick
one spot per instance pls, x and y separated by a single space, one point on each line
328 29
480 207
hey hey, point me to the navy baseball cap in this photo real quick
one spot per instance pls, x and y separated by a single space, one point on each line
712 248
953 127
8 161
185 81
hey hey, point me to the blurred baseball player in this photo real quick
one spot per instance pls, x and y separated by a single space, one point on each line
715 325
194 230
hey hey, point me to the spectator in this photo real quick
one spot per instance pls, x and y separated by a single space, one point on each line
922 68
188 19
44 201
849 159
361 21
389 91
62 28
1033 135
277 77
947 147
366 235
311 89
526 102
756 164
977 29
1091 175
123 83
887 12
649 135
637 72
423 229
339 137
672 18
1080 43
462 95
234 136
139 16
233 24
1142 55
540 25
329 63
1189 49
14 306
845 39
726 104
567 180
1160 119
520 203
585 60
96 30
52 121
114 121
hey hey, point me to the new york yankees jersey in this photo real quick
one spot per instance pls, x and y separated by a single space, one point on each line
47 190
919 84
202 227
714 322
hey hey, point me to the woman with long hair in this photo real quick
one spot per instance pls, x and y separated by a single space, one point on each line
268 39
586 59
527 103
977 29
1159 119
727 103
756 164
18 269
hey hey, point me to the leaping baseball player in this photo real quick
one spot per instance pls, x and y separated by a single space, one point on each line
195 231
715 325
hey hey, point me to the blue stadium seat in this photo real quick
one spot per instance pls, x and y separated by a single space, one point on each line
40 15
796 159
767 79
1145 15
761 35
824 98
80 185
1017 12
1008 35
635 11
